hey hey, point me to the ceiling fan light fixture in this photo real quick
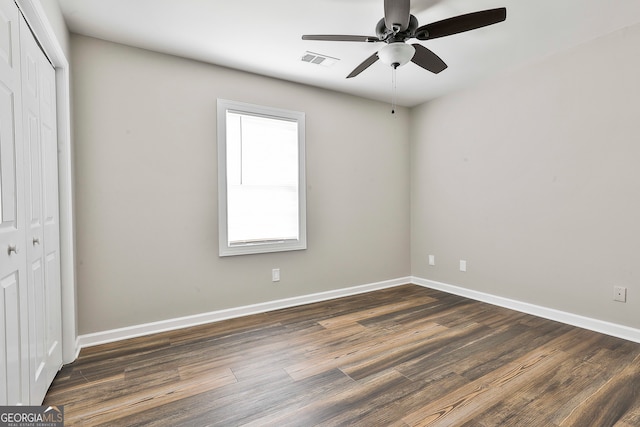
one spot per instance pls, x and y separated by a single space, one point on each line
396 54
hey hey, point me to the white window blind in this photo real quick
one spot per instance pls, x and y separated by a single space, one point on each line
261 173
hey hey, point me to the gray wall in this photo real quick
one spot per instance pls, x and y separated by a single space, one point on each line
147 240
534 179
531 177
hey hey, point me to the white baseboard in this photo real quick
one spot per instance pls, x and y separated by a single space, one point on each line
601 326
613 329
104 337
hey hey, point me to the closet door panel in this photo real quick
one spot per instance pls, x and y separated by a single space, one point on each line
34 169
9 80
9 180
42 231
14 361
9 106
50 218
14 346
36 317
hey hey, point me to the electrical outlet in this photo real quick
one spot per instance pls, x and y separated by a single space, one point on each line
432 260
620 293
463 265
275 275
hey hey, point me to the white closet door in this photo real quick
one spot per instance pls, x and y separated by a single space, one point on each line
14 350
41 203
51 223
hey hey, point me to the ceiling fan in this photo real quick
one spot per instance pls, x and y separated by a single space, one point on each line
398 26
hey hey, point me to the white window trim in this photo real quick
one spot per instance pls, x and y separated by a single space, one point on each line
262 247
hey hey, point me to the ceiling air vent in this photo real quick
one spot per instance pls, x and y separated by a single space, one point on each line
319 59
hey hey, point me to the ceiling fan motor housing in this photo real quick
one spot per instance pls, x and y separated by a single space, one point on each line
391 36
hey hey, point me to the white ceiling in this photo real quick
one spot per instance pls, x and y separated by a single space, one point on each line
264 37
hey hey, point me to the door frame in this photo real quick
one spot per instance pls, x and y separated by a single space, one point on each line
42 30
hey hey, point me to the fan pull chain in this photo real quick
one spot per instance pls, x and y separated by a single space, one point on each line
393 89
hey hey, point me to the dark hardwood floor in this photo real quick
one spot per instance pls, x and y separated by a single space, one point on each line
405 356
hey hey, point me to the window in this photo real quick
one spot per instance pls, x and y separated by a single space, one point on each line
261 179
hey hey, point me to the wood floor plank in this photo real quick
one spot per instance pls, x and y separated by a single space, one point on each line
391 309
403 356
502 355
611 402
417 396
343 407
358 351
405 348
511 413
461 405
548 395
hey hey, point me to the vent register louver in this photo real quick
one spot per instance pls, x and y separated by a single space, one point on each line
319 59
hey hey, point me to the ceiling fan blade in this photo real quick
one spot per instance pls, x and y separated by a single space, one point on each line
365 64
461 23
396 14
427 59
341 38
